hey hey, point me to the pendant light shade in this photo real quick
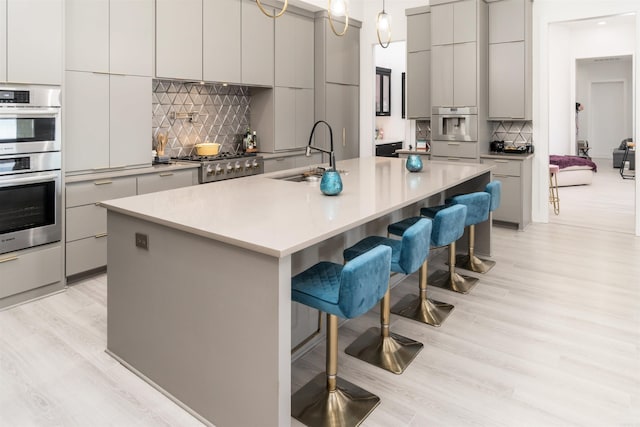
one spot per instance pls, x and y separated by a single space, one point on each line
383 28
338 8
275 15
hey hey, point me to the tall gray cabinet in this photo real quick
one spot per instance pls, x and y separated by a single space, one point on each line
418 62
337 86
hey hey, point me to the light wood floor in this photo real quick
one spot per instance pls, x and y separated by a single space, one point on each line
550 336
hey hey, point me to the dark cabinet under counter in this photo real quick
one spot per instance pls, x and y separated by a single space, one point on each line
388 149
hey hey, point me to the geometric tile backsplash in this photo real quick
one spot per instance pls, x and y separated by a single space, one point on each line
222 114
516 131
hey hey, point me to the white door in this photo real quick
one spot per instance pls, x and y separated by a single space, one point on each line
606 118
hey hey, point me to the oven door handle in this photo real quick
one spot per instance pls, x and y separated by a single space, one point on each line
17 112
30 180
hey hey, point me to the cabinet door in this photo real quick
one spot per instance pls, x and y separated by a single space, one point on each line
464 75
221 40
87 35
130 121
86 144
442 76
304 116
304 48
179 39
342 115
18 272
34 41
3 41
510 201
419 32
419 84
131 37
294 51
464 21
257 46
442 24
506 80
285 123
506 21
343 55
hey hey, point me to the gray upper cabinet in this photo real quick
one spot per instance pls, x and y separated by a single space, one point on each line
3 41
442 24
442 76
221 40
465 74
506 21
418 63
257 46
342 54
87 35
464 21
510 60
294 51
33 36
179 39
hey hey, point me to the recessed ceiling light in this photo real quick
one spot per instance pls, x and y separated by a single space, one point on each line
602 23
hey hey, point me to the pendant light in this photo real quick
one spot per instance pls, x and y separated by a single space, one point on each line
338 8
383 25
275 15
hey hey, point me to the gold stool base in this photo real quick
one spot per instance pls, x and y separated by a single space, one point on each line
315 406
425 310
393 353
452 281
474 263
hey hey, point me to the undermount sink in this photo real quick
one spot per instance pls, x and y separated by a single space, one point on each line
313 175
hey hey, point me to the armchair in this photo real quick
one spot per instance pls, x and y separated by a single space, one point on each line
618 153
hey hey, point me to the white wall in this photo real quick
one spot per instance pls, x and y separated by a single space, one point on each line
617 69
560 96
393 57
545 14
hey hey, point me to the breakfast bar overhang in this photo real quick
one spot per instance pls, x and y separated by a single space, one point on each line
212 327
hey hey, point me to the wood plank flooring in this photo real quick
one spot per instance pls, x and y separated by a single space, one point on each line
549 337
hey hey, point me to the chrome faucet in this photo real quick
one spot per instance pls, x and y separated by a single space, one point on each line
332 156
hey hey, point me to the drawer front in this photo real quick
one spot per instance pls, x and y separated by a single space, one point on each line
164 181
88 192
86 221
279 164
453 159
454 149
504 167
26 270
86 254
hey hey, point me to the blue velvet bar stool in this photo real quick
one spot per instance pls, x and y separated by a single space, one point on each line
448 226
471 261
477 205
340 291
380 347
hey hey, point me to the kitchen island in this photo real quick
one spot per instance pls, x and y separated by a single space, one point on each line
199 277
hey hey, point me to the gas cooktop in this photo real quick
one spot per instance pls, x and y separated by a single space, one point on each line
225 165
222 156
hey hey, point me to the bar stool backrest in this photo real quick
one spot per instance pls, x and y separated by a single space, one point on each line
364 281
494 188
415 246
448 225
477 206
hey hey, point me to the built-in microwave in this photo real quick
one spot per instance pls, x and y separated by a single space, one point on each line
454 123
29 119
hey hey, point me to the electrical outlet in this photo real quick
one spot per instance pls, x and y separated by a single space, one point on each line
142 241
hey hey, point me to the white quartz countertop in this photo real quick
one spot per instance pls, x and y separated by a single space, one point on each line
278 217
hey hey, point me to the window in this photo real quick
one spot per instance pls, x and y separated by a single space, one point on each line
383 91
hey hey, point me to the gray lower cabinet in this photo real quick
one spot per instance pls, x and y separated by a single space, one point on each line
86 221
275 164
515 202
30 269
454 150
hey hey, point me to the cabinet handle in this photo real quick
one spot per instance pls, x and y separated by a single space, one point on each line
104 182
280 159
166 174
453 159
499 175
11 258
97 236
344 137
453 143
501 161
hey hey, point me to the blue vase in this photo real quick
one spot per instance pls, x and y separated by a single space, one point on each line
414 163
331 183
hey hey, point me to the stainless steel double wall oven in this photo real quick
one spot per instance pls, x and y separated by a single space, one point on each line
30 162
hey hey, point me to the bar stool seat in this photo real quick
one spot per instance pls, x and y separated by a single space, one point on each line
448 226
340 291
380 347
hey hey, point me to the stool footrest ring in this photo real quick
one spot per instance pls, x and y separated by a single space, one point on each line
392 353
